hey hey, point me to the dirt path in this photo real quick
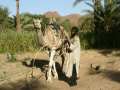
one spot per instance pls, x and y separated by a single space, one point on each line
17 76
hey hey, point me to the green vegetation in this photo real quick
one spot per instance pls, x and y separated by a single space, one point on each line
87 40
5 20
98 29
66 24
12 41
103 24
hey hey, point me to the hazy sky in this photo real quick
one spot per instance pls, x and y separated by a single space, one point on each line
64 7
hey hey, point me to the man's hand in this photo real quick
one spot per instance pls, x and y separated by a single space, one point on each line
69 50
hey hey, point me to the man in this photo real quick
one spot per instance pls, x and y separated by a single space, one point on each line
72 63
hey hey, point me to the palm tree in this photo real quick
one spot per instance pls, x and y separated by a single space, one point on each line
18 27
78 1
103 13
4 16
26 21
106 22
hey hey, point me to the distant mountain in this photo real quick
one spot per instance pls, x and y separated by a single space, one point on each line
73 18
52 14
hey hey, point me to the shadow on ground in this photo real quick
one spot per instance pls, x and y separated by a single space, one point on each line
112 75
72 81
105 52
109 51
43 65
33 84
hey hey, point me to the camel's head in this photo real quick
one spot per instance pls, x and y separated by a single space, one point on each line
52 20
37 23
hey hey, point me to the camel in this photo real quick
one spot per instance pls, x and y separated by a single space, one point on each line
51 39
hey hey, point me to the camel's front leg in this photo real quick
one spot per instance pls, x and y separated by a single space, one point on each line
55 71
51 62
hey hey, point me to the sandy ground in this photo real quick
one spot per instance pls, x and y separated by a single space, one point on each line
17 75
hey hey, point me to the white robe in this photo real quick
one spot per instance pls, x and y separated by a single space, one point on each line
72 58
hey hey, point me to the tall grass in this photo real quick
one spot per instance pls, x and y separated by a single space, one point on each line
12 41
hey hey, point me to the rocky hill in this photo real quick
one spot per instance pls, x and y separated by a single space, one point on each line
73 18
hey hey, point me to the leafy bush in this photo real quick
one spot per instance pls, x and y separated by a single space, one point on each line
103 40
87 40
107 40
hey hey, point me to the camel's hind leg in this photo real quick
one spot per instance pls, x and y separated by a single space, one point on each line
51 62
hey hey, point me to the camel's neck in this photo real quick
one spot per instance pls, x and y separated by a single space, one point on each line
40 36
39 33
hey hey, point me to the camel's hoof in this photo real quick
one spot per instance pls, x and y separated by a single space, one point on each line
49 80
56 77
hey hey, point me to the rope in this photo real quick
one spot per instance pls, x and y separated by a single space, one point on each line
33 63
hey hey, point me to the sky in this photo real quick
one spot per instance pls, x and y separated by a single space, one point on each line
63 7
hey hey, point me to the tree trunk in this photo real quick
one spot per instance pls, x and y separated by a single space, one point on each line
18 28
